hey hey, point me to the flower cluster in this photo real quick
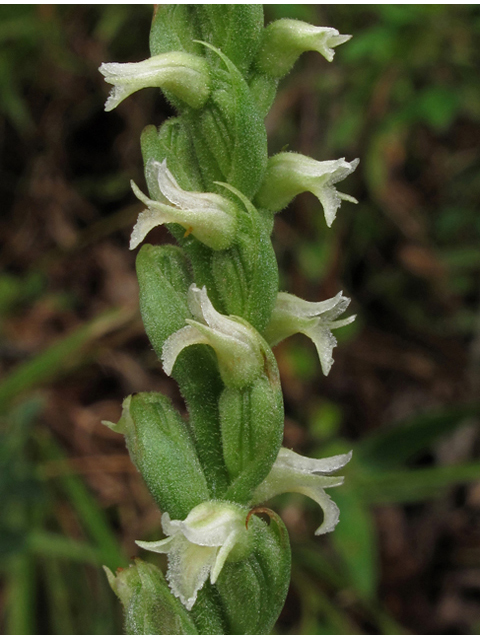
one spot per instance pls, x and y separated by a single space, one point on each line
212 310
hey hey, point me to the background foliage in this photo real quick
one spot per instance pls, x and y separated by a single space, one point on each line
403 96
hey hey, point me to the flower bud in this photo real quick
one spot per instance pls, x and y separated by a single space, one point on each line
150 607
251 422
308 476
285 40
314 319
161 448
211 218
238 346
198 547
289 174
184 74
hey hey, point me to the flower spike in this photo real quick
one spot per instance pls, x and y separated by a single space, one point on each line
199 546
314 319
308 476
237 344
285 40
289 174
211 218
184 74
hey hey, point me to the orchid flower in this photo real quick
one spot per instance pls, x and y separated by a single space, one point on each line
199 546
293 472
314 319
237 344
209 217
289 174
184 74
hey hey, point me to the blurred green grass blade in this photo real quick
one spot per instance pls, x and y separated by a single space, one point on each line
318 611
57 594
355 542
65 354
86 507
415 485
20 609
314 561
54 545
393 446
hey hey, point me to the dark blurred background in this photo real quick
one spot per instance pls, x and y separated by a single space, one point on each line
404 96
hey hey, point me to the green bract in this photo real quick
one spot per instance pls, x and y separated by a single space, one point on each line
212 310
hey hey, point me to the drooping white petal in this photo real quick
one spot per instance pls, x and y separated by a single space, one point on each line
322 337
177 342
189 566
294 473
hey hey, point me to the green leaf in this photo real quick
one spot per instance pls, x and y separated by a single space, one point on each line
393 446
62 356
355 541
415 485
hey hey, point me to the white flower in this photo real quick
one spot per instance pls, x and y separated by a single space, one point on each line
289 174
237 344
184 74
199 546
211 218
295 473
285 40
314 319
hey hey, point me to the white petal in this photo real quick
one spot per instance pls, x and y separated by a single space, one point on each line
204 311
189 566
325 342
159 546
147 220
290 304
211 524
294 473
324 466
177 342
222 555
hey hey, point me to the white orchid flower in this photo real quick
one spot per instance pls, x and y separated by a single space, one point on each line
292 472
314 319
209 217
285 40
184 74
237 344
199 546
289 174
